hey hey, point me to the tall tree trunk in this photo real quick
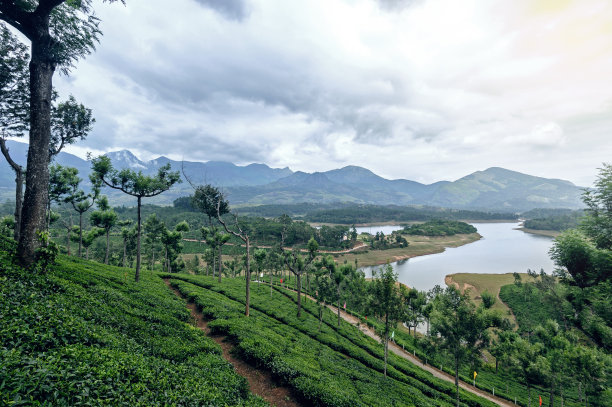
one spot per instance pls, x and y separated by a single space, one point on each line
107 245
42 68
220 263
137 274
457 377
551 403
124 251
529 394
298 276
338 306
80 233
386 340
248 276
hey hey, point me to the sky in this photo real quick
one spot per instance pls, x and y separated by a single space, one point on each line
425 90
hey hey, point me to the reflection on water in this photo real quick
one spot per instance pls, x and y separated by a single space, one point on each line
501 250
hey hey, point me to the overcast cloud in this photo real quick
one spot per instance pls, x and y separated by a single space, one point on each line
418 89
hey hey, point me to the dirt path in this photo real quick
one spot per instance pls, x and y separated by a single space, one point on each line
418 362
260 382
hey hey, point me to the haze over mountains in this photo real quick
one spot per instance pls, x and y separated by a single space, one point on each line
492 189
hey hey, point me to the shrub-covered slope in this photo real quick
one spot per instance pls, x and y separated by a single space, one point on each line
85 334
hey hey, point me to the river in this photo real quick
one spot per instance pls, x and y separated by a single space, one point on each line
501 250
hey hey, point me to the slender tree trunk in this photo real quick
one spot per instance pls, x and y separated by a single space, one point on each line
529 394
386 341
42 68
80 234
551 403
107 245
18 187
87 253
298 276
496 365
220 263
457 378
270 283
321 315
124 251
338 306
137 274
248 276
580 391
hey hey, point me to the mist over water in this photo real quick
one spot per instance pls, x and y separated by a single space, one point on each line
501 250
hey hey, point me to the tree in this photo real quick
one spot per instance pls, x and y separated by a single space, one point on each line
298 265
208 199
171 239
385 302
488 299
88 239
458 327
104 218
153 229
81 201
597 223
128 236
14 103
61 181
135 184
70 122
414 302
215 239
60 32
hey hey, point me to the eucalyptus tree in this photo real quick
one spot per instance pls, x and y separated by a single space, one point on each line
215 239
153 229
80 200
209 200
297 264
104 218
339 275
415 301
171 239
135 184
128 237
459 328
60 32
385 302
242 233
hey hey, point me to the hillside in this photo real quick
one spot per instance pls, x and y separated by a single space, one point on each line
494 189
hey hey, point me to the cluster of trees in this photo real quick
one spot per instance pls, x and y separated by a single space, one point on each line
60 32
439 227
381 241
351 214
558 223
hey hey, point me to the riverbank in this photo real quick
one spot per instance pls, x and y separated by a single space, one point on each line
478 283
417 246
539 232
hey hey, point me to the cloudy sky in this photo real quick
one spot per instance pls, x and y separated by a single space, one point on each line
419 89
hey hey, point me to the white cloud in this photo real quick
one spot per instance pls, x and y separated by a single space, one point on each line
426 90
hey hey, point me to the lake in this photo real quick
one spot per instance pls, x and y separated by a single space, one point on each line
501 250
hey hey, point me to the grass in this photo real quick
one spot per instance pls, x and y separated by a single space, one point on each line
478 283
418 246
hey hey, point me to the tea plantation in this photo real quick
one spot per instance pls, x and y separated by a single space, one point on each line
85 334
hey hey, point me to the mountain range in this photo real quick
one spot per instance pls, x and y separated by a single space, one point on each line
491 189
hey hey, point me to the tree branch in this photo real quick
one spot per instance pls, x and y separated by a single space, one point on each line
5 152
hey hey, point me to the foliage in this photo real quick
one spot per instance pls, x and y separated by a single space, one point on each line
352 214
346 364
440 227
84 335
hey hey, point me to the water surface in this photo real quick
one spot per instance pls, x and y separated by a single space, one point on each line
501 250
